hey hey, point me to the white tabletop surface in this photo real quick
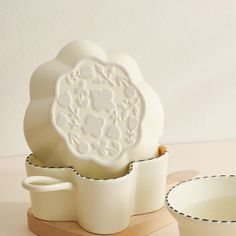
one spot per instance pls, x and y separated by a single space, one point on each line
207 158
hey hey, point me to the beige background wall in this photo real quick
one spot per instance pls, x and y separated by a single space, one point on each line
186 50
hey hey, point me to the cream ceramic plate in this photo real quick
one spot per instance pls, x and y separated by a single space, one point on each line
92 110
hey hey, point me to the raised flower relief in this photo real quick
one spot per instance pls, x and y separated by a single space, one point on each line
105 75
114 131
98 110
132 126
72 77
81 145
104 148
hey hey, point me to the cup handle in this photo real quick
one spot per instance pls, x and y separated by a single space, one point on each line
45 184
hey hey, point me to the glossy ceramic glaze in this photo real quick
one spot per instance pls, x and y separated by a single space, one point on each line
92 110
204 206
101 206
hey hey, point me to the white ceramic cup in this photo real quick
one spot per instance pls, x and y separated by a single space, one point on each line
204 206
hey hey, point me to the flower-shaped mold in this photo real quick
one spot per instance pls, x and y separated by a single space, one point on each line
98 111
92 110
101 206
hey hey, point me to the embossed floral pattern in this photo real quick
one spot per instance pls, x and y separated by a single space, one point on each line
98 110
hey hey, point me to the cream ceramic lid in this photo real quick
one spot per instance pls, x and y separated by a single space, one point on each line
92 110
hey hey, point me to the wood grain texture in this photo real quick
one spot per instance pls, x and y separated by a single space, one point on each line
139 225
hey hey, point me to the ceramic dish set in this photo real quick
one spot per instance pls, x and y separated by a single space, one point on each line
94 125
99 206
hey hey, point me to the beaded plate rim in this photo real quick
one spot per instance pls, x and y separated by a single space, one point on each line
130 168
172 209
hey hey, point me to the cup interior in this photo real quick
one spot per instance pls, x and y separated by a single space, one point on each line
212 198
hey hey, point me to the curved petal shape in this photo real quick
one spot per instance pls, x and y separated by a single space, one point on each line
92 110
